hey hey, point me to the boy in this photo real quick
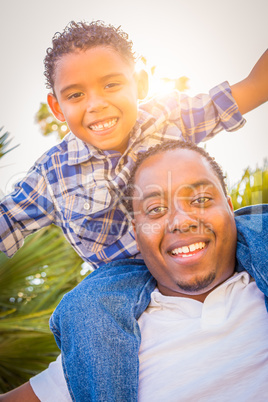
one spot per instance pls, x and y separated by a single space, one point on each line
77 184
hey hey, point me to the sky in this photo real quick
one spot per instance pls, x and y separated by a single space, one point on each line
208 41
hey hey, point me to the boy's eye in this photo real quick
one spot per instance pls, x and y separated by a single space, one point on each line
201 200
76 95
112 85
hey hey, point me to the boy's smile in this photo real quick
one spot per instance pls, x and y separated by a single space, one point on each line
184 223
96 94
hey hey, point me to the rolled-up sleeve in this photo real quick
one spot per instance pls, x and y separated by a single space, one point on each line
201 117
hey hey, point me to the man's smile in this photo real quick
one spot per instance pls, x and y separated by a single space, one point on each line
187 251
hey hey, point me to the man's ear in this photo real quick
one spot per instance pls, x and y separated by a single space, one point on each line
135 232
142 84
229 200
55 107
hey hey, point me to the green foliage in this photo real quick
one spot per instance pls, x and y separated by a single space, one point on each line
4 143
252 188
31 285
48 123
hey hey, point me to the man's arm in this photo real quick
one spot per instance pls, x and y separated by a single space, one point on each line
24 393
253 90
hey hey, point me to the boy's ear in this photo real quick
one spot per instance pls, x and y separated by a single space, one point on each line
55 107
142 84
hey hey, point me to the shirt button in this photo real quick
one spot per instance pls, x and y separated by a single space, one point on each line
86 206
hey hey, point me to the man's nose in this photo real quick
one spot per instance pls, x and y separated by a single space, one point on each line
96 103
181 220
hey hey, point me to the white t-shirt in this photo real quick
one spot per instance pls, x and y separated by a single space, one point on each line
192 351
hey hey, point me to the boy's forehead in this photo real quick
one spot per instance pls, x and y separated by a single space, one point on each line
97 54
97 62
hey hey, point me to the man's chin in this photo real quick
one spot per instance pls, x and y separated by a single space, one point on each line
197 285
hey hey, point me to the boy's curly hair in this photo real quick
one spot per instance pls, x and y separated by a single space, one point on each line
83 35
167 146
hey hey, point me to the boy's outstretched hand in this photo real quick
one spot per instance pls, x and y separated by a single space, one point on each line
253 90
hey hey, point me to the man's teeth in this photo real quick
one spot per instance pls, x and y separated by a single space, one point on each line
188 249
104 125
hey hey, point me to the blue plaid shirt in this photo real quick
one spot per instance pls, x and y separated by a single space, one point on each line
77 187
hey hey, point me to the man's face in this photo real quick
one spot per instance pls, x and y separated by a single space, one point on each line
184 224
96 94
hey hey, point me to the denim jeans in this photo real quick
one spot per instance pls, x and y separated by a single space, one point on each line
95 325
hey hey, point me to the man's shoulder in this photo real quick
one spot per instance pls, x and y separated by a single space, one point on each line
249 210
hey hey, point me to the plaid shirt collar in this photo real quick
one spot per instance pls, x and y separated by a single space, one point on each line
79 151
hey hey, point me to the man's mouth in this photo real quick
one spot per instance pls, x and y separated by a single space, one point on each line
104 124
188 251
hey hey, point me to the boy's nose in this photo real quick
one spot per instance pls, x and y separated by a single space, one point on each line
96 103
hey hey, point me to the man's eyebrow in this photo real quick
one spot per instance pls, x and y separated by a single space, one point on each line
152 194
194 185
201 183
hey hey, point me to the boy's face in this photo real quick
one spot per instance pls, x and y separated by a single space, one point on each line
184 223
96 94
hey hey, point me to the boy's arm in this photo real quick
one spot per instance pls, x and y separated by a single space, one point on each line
27 209
253 90
24 393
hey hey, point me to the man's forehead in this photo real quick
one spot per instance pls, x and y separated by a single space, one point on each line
182 166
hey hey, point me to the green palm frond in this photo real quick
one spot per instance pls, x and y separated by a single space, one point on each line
31 285
4 143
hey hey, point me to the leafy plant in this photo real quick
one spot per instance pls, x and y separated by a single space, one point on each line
252 188
4 143
31 285
48 123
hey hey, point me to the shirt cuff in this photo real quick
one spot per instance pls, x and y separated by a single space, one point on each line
230 116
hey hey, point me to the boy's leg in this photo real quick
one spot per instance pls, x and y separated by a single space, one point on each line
95 325
252 244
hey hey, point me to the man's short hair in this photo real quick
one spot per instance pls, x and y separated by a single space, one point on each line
167 146
82 36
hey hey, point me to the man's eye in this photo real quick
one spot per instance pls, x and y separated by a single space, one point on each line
157 210
201 200
76 95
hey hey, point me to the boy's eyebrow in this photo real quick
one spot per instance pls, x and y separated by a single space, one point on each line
113 75
68 87
104 78
194 185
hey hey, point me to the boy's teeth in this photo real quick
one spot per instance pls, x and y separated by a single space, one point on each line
104 125
188 249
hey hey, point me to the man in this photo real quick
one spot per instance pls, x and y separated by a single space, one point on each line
204 332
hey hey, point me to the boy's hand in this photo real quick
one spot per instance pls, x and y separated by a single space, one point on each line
253 90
